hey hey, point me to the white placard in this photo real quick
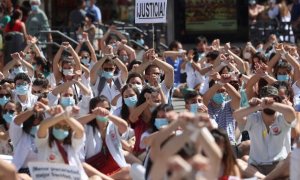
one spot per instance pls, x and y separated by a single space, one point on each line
150 11
50 171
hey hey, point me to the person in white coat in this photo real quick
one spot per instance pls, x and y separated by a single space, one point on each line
103 148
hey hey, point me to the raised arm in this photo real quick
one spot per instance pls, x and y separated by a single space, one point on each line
130 51
90 47
9 66
83 89
62 88
287 110
76 58
122 67
95 69
168 70
56 62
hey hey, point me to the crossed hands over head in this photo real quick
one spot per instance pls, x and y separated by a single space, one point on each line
261 103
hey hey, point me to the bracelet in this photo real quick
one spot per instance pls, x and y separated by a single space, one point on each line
115 57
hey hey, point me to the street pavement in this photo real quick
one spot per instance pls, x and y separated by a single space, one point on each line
178 104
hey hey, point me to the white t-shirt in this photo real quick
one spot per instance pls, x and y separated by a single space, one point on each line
193 77
268 147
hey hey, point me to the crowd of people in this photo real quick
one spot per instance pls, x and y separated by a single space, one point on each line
113 117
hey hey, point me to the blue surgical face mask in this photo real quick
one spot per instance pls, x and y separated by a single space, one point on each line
8 117
22 89
101 118
33 130
194 108
68 72
18 70
131 101
34 7
85 61
107 74
60 134
283 77
219 98
160 122
4 100
140 42
67 101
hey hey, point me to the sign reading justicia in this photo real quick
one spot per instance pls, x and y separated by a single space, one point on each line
150 11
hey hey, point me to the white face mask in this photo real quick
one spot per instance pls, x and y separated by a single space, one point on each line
68 72
247 55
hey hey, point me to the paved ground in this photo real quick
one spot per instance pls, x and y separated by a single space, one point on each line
178 104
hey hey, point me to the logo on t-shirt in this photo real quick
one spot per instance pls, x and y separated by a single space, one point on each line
275 129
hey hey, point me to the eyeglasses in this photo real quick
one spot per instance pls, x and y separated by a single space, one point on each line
10 111
64 127
6 95
108 69
22 83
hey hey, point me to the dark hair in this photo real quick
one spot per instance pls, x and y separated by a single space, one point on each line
147 70
28 124
14 17
2 121
91 15
228 158
42 62
174 44
22 76
125 109
141 97
190 95
108 61
93 104
41 82
6 80
212 55
261 57
201 39
161 107
225 67
132 63
133 75
282 65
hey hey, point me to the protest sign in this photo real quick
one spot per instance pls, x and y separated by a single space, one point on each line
150 11
50 171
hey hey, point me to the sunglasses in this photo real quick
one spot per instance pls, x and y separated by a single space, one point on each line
10 111
36 92
6 95
108 69
64 127
23 83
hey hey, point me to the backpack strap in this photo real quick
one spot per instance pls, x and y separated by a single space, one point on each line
117 83
101 85
102 82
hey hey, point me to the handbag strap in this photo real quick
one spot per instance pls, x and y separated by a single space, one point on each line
62 151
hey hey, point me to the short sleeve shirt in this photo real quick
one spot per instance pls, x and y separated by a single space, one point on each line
223 116
267 147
